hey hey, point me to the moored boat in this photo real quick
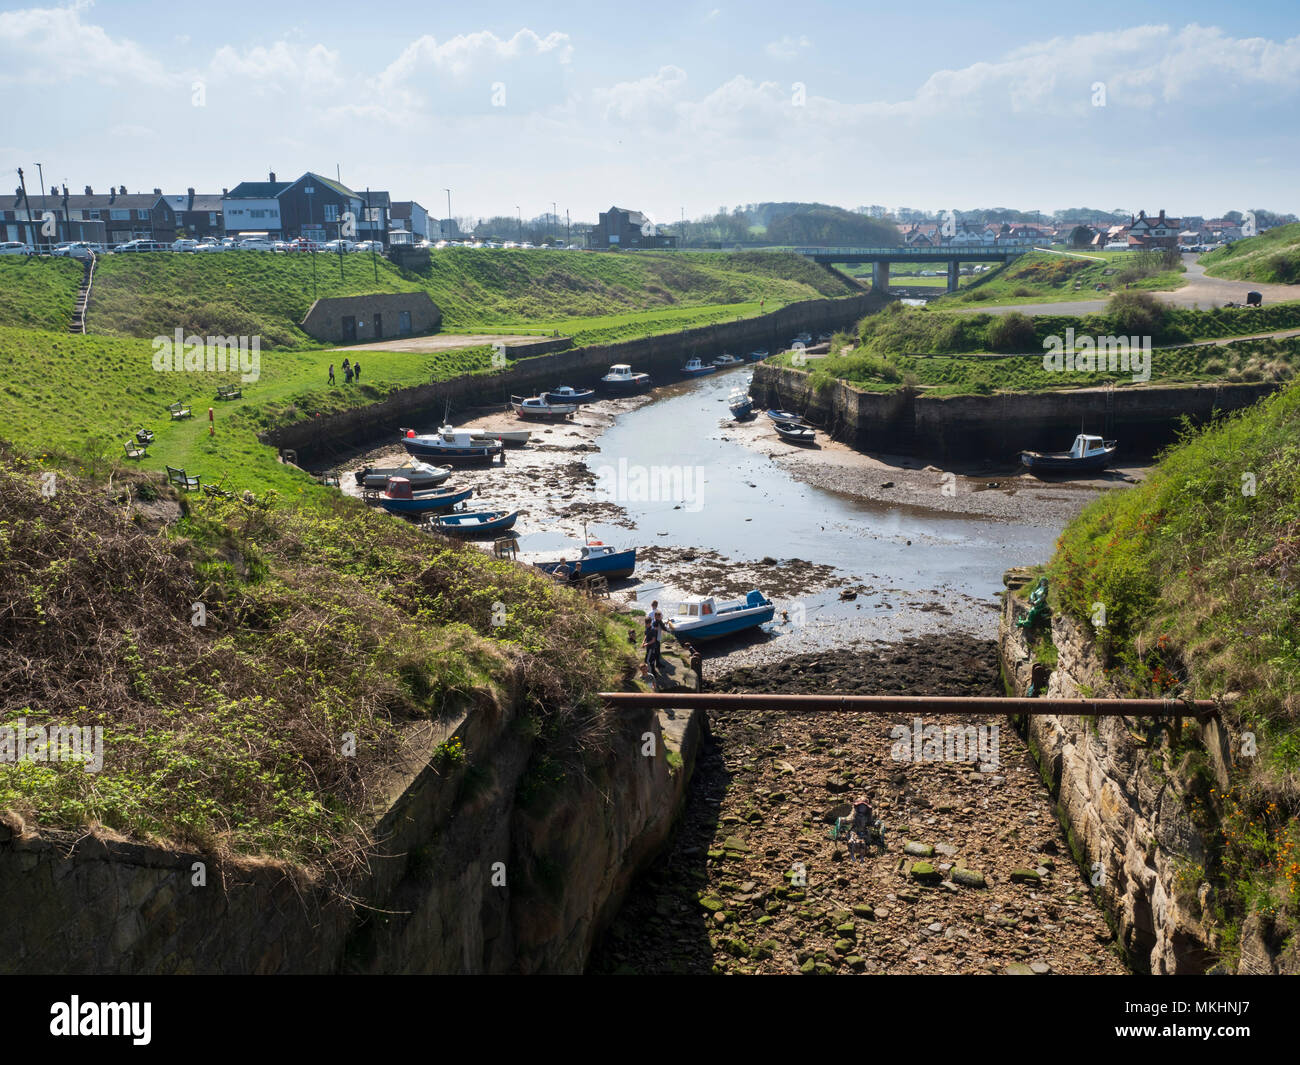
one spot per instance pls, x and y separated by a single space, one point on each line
456 446
420 474
695 368
509 437
474 522
789 417
594 558
567 394
1086 454
795 434
709 618
537 409
727 360
398 498
622 381
740 405
757 356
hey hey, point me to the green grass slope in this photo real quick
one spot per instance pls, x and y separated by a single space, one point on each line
38 293
1271 257
1044 276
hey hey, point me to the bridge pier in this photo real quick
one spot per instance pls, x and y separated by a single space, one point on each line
953 274
880 275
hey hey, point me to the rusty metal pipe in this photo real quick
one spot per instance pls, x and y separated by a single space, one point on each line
909 704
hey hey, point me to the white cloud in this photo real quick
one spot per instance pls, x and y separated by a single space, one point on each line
787 47
53 44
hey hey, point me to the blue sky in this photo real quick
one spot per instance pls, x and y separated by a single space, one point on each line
668 106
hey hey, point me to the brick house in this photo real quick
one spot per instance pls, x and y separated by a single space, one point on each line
621 228
1159 232
124 216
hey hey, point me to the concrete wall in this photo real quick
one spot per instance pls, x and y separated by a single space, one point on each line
324 320
661 356
956 429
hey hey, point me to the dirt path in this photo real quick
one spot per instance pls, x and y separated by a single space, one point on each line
752 884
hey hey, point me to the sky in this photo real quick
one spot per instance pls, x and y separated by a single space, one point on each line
669 108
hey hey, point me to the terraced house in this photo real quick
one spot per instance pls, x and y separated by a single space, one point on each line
312 206
124 216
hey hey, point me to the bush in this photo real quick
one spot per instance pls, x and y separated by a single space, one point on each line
1137 314
1012 332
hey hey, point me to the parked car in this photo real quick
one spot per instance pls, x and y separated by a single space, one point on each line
368 245
184 244
15 247
77 249
143 245
335 245
255 244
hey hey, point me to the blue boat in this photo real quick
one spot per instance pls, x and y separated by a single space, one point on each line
1087 454
594 558
789 417
565 394
398 498
757 356
707 619
740 405
696 368
456 446
474 522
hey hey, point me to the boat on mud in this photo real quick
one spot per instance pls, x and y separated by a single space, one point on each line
709 618
695 368
469 523
740 405
456 446
621 381
566 394
789 417
725 360
1087 454
537 409
509 437
594 558
420 474
757 356
398 498
795 434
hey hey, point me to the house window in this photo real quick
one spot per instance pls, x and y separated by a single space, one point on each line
118 215
92 215
331 212
212 218
142 216
256 214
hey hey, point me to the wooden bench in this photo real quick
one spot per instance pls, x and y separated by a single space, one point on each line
182 480
144 436
179 410
229 392
134 450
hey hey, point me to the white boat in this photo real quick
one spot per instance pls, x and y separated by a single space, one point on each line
695 368
708 618
622 380
509 437
452 445
727 360
536 408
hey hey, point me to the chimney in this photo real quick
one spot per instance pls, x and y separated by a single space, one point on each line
112 194
89 191
272 177
157 192
190 206
1162 214
121 190
225 192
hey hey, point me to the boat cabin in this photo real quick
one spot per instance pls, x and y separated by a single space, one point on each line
697 608
1086 445
398 488
620 370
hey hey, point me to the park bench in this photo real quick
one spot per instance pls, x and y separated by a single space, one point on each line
179 410
229 392
134 450
182 480
144 436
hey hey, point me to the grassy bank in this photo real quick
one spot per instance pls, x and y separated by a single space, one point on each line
1196 569
266 295
38 293
1272 257
1039 277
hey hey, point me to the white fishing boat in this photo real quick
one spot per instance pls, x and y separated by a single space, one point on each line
708 618
622 381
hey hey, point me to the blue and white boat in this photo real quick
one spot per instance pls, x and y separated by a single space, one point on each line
707 618
695 368
594 558
727 360
568 394
740 405
786 416
474 522
1087 454
452 445
398 498
757 356
621 381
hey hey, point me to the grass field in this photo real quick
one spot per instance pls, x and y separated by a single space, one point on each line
266 295
1273 256
1041 276
610 328
38 293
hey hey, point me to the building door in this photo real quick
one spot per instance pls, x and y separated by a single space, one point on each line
379 327
349 329
404 323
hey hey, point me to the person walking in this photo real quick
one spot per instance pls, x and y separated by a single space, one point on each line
332 381
356 371
651 646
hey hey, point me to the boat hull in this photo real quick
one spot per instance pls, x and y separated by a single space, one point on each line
429 504
466 524
509 437
1040 462
616 565
378 479
476 454
698 371
795 434
789 417
724 624
583 395
631 387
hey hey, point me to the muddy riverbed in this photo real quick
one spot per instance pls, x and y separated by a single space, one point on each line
753 884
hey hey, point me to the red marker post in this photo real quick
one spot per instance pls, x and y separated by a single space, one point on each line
212 428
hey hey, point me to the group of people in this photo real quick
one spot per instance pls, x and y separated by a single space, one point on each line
350 371
655 626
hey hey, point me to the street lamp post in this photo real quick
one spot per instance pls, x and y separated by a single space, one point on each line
555 222
520 216
449 220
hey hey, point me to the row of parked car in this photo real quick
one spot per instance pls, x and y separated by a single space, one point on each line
81 249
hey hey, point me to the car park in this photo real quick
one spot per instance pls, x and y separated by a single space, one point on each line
15 247
77 249
140 245
336 246
184 244
255 244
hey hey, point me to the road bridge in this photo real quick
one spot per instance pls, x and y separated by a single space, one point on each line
953 255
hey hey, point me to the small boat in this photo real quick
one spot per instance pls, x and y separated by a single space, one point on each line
509 437
1087 453
789 417
696 368
594 558
622 381
474 522
398 498
456 446
796 434
707 619
757 356
740 405
538 409
565 394
420 474
727 360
